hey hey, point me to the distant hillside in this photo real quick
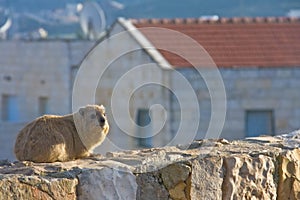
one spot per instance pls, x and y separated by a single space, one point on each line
174 8
196 8
141 9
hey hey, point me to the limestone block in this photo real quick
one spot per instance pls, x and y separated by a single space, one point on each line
290 140
174 178
234 104
207 178
289 175
280 83
174 174
249 177
36 187
284 73
243 84
248 73
178 192
106 183
269 73
150 186
296 72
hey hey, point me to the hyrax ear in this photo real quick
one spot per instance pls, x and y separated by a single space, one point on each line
81 111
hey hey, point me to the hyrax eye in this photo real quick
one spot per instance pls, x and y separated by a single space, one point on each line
93 116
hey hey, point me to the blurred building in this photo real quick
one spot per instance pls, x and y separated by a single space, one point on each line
35 79
258 59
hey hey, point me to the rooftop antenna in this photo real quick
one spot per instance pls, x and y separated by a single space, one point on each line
92 20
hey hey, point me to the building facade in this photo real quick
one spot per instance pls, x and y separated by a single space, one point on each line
260 101
258 59
35 79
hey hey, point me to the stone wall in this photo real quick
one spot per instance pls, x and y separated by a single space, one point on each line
247 88
257 168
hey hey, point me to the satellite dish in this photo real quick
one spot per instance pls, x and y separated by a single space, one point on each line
5 26
92 20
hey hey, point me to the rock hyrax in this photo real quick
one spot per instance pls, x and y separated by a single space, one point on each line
53 138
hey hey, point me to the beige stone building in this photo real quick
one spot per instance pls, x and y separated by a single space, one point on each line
245 80
257 59
35 79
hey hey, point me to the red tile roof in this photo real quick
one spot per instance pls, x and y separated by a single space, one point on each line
232 42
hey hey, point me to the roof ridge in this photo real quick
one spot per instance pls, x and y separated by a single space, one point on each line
216 20
144 42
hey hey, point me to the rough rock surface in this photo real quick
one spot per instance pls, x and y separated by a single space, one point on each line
255 168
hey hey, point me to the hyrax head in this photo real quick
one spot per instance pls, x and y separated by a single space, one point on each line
94 114
92 125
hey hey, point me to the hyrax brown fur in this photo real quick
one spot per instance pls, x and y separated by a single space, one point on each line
52 138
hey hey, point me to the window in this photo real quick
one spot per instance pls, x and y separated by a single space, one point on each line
43 105
259 122
10 109
144 128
